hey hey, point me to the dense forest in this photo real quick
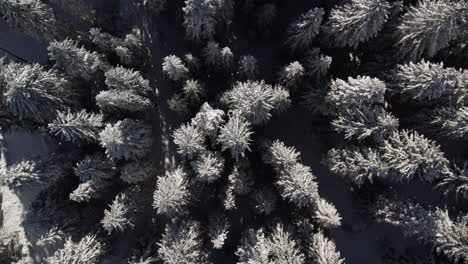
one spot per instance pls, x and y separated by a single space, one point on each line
238 131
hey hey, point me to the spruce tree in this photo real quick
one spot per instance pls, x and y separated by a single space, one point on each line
137 171
248 67
116 217
127 139
316 64
212 54
172 194
77 127
88 190
193 90
297 184
199 19
120 78
174 68
292 74
455 180
218 230
302 32
358 21
208 166
430 26
361 91
450 121
264 201
95 167
189 141
114 100
235 135
78 8
326 215
88 250
208 120
323 250
280 156
22 174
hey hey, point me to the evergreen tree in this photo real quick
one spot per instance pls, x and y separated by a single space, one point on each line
316 64
122 101
95 167
199 19
361 91
280 156
208 120
120 78
128 139
78 8
32 17
248 67
323 250
22 174
410 154
218 230
208 166
75 61
302 32
178 103
77 127
193 90
361 123
116 217
357 21
181 244
357 164
87 250
174 68
254 100
326 215
227 57
297 184
189 141
172 195
292 74
451 121
212 54
430 26
88 190
235 135
137 171
455 180
281 99
264 201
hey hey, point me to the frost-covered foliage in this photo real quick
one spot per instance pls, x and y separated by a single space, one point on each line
193 90
78 8
87 190
360 123
264 201
227 57
200 19
358 91
357 21
280 156
53 236
317 64
292 74
208 166
240 182
430 26
77 127
32 17
357 164
178 103
120 78
95 167
302 32
87 250
326 214
31 92
172 194
256 100
248 67
75 61
218 230
448 237
410 154
451 121
424 81
128 139
277 248
181 243
137 171
208 120
455 180
235 135
114 100
116 217
323 250
297 184
174 68
22 174
212 54
189 140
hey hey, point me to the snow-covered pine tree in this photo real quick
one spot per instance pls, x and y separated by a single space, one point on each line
88 250
192 62
280 156
227 57
255 100
302 31
201 17
326 215
317 64
358 21
235 135
128 139
189 140
174 68
95 167
323 250
218 230
208 120
32 17
360 123
172 194
212 54
22 174
292 74
208 166
77 127
78 8
193 90
88 190
264 201
357 165
451 121
409 154
32 93
137 171
297 184
248 67
430 26
360 91
181 243
116 217
75 61
121 78
455 180
281 99
114 100
178 103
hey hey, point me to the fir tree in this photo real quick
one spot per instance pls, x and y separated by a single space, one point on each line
280 156
120 78
53 236
137 171
302 32
32 17
171 194
77 8
227 57
240 179
264 201
455 180
193 90
430 26
326 215
178 103
235 136
208 120
218 230
75 61
189 140
199 19
174 68
451 121
297 185
122 101
212 54
357 165
323 250
361 91
95 167
87 190
77 127
248 67
316 64
357 21
292 74
127 139
22 174
410 154
116 217
208 166
281 99
87 250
